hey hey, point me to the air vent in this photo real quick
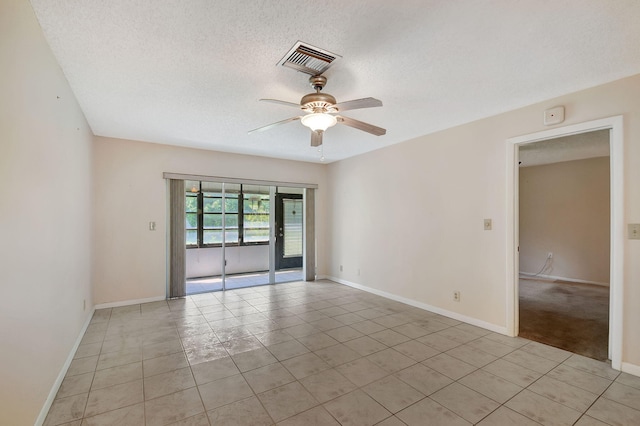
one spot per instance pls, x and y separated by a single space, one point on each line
308 59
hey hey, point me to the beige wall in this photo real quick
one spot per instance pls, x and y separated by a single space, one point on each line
45 233
565 209
129 261
410 216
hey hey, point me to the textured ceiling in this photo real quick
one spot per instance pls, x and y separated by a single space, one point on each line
566 148
190 73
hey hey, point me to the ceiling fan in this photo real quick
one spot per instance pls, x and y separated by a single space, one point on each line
322 112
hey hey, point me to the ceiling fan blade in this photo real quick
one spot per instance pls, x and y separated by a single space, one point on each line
361 125
316 137
277 101
359 103
269 126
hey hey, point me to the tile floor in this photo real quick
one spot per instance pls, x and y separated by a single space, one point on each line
324 354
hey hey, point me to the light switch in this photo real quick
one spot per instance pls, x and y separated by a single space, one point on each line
487 224
634 231
152 226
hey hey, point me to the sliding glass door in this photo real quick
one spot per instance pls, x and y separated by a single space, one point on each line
240 235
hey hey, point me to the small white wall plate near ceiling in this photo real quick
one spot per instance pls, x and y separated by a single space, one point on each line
554 115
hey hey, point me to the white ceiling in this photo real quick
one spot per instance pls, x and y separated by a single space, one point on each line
566 148
190 73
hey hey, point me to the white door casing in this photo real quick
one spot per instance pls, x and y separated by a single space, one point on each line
616 148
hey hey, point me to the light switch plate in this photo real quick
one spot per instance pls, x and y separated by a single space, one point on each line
634 231
487 224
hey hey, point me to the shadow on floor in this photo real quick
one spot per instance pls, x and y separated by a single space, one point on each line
569 316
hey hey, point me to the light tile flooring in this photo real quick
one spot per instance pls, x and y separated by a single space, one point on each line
324 354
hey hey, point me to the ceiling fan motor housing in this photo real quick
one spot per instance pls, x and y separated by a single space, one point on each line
318 102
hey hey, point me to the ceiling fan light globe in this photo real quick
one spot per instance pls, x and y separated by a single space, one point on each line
319 121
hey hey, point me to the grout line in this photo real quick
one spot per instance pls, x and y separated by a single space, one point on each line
334 303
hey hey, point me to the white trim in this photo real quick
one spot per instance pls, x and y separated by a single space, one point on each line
167 238
616 148
63 372
130 302
630 369
433 309
557 278
272 235
575 129
616 304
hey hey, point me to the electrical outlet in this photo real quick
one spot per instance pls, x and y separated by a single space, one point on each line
456 296
550 255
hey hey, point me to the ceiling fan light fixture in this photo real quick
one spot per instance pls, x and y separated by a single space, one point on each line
319 121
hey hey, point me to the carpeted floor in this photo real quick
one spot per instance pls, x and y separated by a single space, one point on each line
570 316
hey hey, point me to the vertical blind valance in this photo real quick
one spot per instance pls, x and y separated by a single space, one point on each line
183 177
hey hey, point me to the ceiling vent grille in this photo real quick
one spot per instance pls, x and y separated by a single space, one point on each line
308 59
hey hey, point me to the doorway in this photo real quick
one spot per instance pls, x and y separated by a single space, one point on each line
564 256
615 126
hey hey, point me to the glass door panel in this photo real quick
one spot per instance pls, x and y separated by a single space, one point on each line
289 227
232 236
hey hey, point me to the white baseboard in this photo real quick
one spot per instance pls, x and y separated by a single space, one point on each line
130 302
554 278
63 372
630 368
426 307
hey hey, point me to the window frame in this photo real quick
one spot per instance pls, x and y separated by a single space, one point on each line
242 223
240 218
189 194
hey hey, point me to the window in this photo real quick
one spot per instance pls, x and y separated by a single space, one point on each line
255 214
191 215
246 214
292 228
